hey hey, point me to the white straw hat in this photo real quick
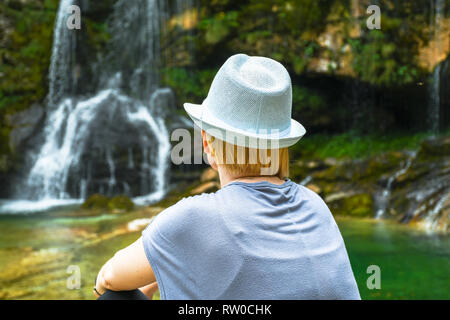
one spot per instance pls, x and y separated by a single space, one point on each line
249 104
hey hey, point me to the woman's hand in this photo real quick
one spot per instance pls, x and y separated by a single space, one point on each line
100 286
149 290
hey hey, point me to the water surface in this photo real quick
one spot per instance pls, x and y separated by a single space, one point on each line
36 250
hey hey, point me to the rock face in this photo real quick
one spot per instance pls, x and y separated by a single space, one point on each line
24 125
411 187
422 193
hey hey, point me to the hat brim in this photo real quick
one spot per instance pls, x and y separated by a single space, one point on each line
218 128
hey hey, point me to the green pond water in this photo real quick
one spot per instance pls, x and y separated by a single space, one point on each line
36 251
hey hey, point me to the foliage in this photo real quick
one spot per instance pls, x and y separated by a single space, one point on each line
283 30
218 27
24 61
349 145
377 60
389 56
287 31
189 85
303 98
294 16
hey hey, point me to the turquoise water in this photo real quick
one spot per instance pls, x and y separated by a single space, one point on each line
35 251
413 264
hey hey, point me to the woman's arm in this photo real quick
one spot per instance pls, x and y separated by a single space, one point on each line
128 269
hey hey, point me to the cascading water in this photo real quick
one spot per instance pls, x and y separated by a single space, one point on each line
437 10
62 58
382 199
94 144
430 223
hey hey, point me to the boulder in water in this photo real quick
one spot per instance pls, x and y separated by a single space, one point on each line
117 204
96 201
120 203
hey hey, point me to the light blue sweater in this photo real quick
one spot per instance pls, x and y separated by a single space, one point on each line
250 241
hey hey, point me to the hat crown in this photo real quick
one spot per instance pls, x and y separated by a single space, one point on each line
252 94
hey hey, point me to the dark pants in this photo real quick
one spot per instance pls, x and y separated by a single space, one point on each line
123 295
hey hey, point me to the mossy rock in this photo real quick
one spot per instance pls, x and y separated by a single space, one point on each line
387 162
297 173
96 202
356 205
431 148
120 204
359 205
333 174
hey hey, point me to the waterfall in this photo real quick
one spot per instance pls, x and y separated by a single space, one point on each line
437 12
383 198
62 58
430 223
435 99
94 143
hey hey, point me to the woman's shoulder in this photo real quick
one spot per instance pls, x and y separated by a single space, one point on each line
187 209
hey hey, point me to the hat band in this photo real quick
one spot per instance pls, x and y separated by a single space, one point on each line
269 133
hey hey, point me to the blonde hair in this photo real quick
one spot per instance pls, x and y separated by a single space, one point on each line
239 161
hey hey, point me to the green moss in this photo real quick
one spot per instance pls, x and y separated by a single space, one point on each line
96 202
354 146
218 27
387 56
24 61
357 205
120 203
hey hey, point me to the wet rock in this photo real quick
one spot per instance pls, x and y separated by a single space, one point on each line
207 187
302 169
338 196
430 148
419 194
209 174
330 162
410 187
4 163
115 204
24 124
96 201
139 224
351 204
120 204
32 270
434 216
312 164
314 187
